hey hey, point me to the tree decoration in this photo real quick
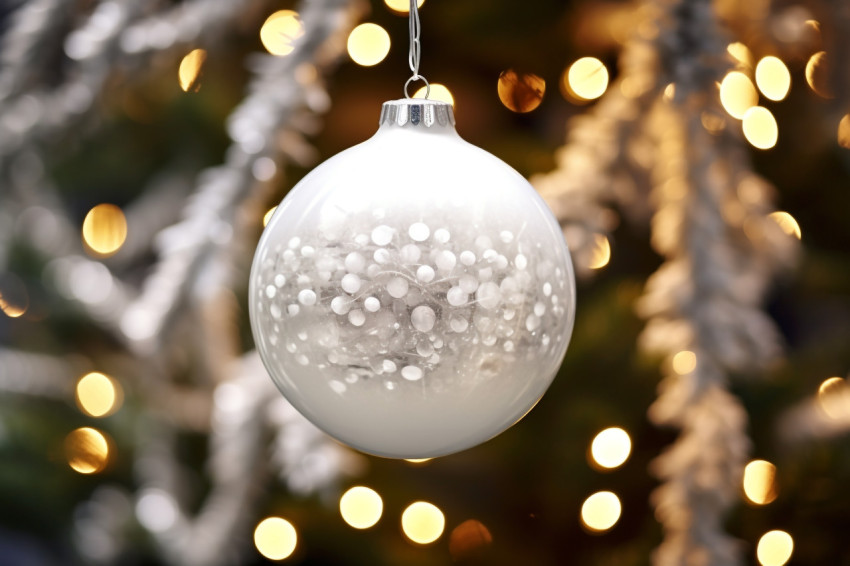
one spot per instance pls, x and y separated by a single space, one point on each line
412 296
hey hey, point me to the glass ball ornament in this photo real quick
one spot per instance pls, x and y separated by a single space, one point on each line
412 296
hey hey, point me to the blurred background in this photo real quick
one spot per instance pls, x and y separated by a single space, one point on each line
697 154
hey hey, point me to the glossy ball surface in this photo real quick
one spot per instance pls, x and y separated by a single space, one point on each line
412 296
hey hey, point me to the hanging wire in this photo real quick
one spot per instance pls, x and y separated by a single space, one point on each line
415 52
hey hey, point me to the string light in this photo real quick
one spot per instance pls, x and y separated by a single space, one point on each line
611 448
773 78
87 450
737 94
368 44
787 223
98 395
438 92
601 511
684 362
361 507
601 252
760 128
104 229
760 482
190 68
775 548
280 31
423 522
521 92
275 538
586 79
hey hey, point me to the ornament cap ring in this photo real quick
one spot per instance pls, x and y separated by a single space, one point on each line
417 77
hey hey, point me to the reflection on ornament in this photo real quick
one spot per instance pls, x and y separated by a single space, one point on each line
412 296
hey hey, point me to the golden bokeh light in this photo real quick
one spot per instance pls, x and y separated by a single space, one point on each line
469 540
189 73
830 385
601 511
760 127
361 507
611 448
280 32
600 255
586 79
87 450
417 460
830 400
713 123
368 44
401 6
775 548
275 538
268 215
760 482
423 522
104 229
438 92
521 92
817 74
844 132
98 395
740 53
773 78
14 299
787 223
737 94
684 362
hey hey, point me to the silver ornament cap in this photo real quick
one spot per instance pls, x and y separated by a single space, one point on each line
417 113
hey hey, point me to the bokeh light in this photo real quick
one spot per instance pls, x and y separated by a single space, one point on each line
469 541
275 538
368 44
268 215
87 450
787 223
438 92
775 548
601 253
760 482
611 447
601 511
521 92
14 299
740 53
844 132
104 229
586 79
98 395
423 522
189 73
417 460
280 32
773 78
361 507
817 74
830 400
760 128
737 94
684 362
401 6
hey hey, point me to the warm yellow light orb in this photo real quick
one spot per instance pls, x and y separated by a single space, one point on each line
423 522
741 53
438 92
402 6
787 223
684 362
760 127
368 44
817 74
611 447
601 254
104 229
601 511
760 482
520 92
268 215
773 78
361 507
586 79
275 538
280 31
737 94
97 394
775 548
844 132
87 450
830 400
189 72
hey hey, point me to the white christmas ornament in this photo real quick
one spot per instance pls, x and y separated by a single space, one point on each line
412 296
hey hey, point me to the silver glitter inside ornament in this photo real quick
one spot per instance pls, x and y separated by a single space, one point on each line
412 296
